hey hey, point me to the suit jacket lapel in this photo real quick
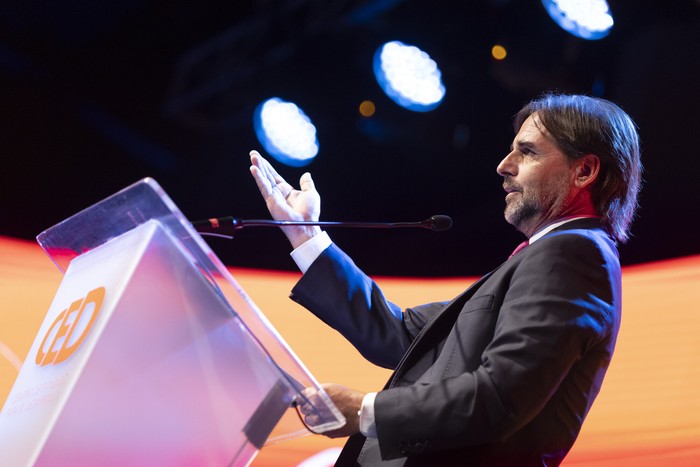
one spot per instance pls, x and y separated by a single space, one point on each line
458 302
455 306
451 311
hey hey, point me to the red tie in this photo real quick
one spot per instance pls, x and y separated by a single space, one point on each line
518 248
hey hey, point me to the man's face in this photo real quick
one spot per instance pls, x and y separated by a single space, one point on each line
537 177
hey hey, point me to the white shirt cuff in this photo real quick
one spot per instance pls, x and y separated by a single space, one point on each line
307 252
367 425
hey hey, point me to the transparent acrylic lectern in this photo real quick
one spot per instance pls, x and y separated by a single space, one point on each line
151 353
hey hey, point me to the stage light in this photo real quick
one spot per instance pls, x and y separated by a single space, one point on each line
408 76
587 19
498 52
367 108
285 132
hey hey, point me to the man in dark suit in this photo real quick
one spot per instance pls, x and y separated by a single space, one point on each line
506 372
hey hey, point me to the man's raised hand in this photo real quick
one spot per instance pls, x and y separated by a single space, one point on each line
286 203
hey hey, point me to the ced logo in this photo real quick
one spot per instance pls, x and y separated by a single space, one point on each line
73 325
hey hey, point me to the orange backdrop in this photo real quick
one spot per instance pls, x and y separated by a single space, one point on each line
648 412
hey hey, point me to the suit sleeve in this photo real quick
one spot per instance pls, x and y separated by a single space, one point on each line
337 292
558 303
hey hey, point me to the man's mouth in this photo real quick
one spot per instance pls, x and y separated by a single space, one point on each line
510 192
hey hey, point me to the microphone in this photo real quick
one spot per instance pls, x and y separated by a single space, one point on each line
225 226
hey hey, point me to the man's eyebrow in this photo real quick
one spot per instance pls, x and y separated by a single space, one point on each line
523 144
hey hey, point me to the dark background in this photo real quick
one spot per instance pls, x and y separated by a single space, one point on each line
95 95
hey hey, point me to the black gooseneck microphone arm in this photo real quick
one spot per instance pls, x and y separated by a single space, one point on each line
226 226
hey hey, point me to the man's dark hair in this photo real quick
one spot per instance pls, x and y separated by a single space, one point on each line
581 125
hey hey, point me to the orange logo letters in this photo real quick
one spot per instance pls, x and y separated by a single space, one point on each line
66 324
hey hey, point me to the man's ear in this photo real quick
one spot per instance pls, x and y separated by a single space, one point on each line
587 170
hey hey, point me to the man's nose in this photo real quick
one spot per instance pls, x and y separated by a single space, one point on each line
507 166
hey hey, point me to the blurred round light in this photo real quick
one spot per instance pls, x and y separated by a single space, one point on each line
367 108
498 52
408 76
285 132
587 19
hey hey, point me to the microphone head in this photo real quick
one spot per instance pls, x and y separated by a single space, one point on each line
440 223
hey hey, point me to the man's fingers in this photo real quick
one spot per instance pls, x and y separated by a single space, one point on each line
271 180
272 176
306 183
264 168
275 177
266 177
262 182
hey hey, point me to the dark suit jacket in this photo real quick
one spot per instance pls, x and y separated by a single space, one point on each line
504 374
